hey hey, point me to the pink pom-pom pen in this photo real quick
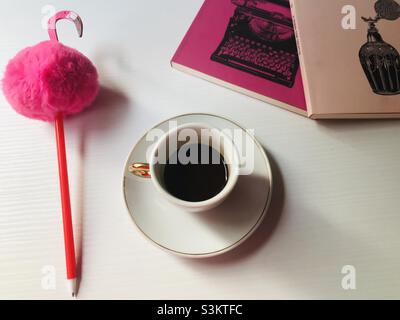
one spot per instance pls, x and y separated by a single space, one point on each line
48 82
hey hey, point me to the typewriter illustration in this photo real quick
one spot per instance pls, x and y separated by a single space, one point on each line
260 40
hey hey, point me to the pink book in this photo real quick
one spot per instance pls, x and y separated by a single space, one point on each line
248 46
346 65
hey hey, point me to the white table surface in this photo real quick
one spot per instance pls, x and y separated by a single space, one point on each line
336 200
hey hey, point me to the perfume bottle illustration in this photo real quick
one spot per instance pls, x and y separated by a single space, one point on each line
380 60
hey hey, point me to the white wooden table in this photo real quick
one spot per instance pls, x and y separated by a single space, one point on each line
336 201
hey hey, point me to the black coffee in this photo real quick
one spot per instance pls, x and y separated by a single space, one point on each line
196 181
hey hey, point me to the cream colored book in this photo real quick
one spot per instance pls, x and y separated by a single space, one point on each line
348 52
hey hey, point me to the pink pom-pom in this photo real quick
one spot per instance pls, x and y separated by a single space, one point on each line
50 78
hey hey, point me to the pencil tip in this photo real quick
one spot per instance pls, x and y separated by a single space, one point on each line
73 288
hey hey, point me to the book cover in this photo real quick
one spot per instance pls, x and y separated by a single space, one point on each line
248 46
349 57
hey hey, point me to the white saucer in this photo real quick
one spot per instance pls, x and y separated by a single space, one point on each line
204 234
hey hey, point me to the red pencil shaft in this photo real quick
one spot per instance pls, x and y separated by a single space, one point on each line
65 198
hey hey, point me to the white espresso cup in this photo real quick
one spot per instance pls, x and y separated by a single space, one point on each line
170 144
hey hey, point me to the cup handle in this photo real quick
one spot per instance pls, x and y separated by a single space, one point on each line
140 169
